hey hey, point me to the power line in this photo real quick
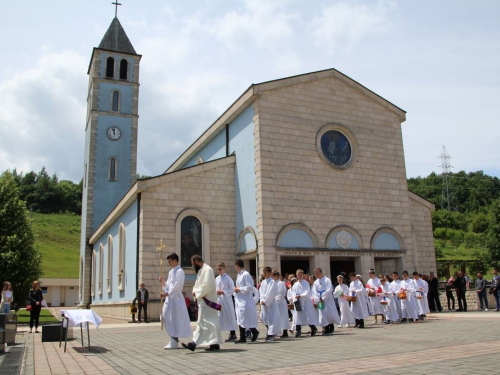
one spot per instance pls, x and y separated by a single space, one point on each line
446 170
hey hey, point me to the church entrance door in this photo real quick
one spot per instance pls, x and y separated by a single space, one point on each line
290 265
338 266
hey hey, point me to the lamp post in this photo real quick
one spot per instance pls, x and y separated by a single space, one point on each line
160 252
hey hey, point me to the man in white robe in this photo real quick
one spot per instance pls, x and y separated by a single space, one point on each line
175 316
420 291
322 292
207 331
246 311
409 308
225 290
306 314
269 313
395 302
374 284
359 308
284 323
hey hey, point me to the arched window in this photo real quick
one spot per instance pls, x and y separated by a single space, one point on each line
121 257
113 167
101 261
115 102
191 239
296 235
123 69
110 263
386 239
92 279
110 67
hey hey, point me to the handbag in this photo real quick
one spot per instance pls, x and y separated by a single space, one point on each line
298 306
28 307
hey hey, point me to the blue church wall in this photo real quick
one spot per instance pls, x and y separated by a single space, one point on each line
110 192
129 220
241 141
118 58
334 245
216 149
386 241
105 97
83 240
296 238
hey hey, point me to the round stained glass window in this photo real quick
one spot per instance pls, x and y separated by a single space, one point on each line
336 148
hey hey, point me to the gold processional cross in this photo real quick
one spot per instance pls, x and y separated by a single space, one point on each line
160 249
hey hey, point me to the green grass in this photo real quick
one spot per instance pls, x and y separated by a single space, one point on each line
450 252
58 238
23 317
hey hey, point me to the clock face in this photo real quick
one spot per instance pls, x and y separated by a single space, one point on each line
114 133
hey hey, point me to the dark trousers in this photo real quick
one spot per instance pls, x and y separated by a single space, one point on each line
35 315
140 307
462 303
449 296
496 293
482 297
434 302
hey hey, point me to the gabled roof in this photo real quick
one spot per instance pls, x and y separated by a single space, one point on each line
256 89
116 39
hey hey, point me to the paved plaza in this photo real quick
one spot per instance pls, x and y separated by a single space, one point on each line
448 343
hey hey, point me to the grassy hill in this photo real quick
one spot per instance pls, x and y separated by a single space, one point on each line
58 237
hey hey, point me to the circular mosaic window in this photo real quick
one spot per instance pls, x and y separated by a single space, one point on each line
336 148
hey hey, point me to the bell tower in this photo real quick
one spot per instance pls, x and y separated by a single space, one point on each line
110 160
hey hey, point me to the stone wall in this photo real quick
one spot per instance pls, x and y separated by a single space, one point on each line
470 297
421 221
207 191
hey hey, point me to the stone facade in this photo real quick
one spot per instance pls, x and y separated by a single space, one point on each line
295 185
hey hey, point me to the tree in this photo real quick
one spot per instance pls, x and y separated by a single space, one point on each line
493 235
20 259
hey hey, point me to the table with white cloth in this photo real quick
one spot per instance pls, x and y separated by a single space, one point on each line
73 318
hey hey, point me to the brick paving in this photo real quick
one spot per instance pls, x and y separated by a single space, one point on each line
458 343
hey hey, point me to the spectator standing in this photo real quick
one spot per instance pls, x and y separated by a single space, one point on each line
433 296
449 292
7 297
467 281
35 298
495 288
460 285
481 291
142 299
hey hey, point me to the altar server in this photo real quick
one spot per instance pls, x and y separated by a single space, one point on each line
284 323
246 311
373 284
395 288
322 292
421 290
341 292
175 316
225 290
359 308
269 313
207 331
304 308
409 308
289 296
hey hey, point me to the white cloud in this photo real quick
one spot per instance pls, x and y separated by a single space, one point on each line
262 22
344 24
42 121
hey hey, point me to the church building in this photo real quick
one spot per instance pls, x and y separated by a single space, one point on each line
300 172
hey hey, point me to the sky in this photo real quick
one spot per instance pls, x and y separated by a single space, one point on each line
437 60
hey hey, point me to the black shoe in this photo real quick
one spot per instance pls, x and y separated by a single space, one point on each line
212 348
190 346
298 334
269 338
357 323
387 322
362 325
231 338
284 336
242 340
325 332
410 320
404 320
314 331
255 335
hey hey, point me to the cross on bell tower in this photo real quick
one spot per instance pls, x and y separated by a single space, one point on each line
116 3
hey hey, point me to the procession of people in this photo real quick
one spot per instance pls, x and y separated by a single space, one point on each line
287 304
